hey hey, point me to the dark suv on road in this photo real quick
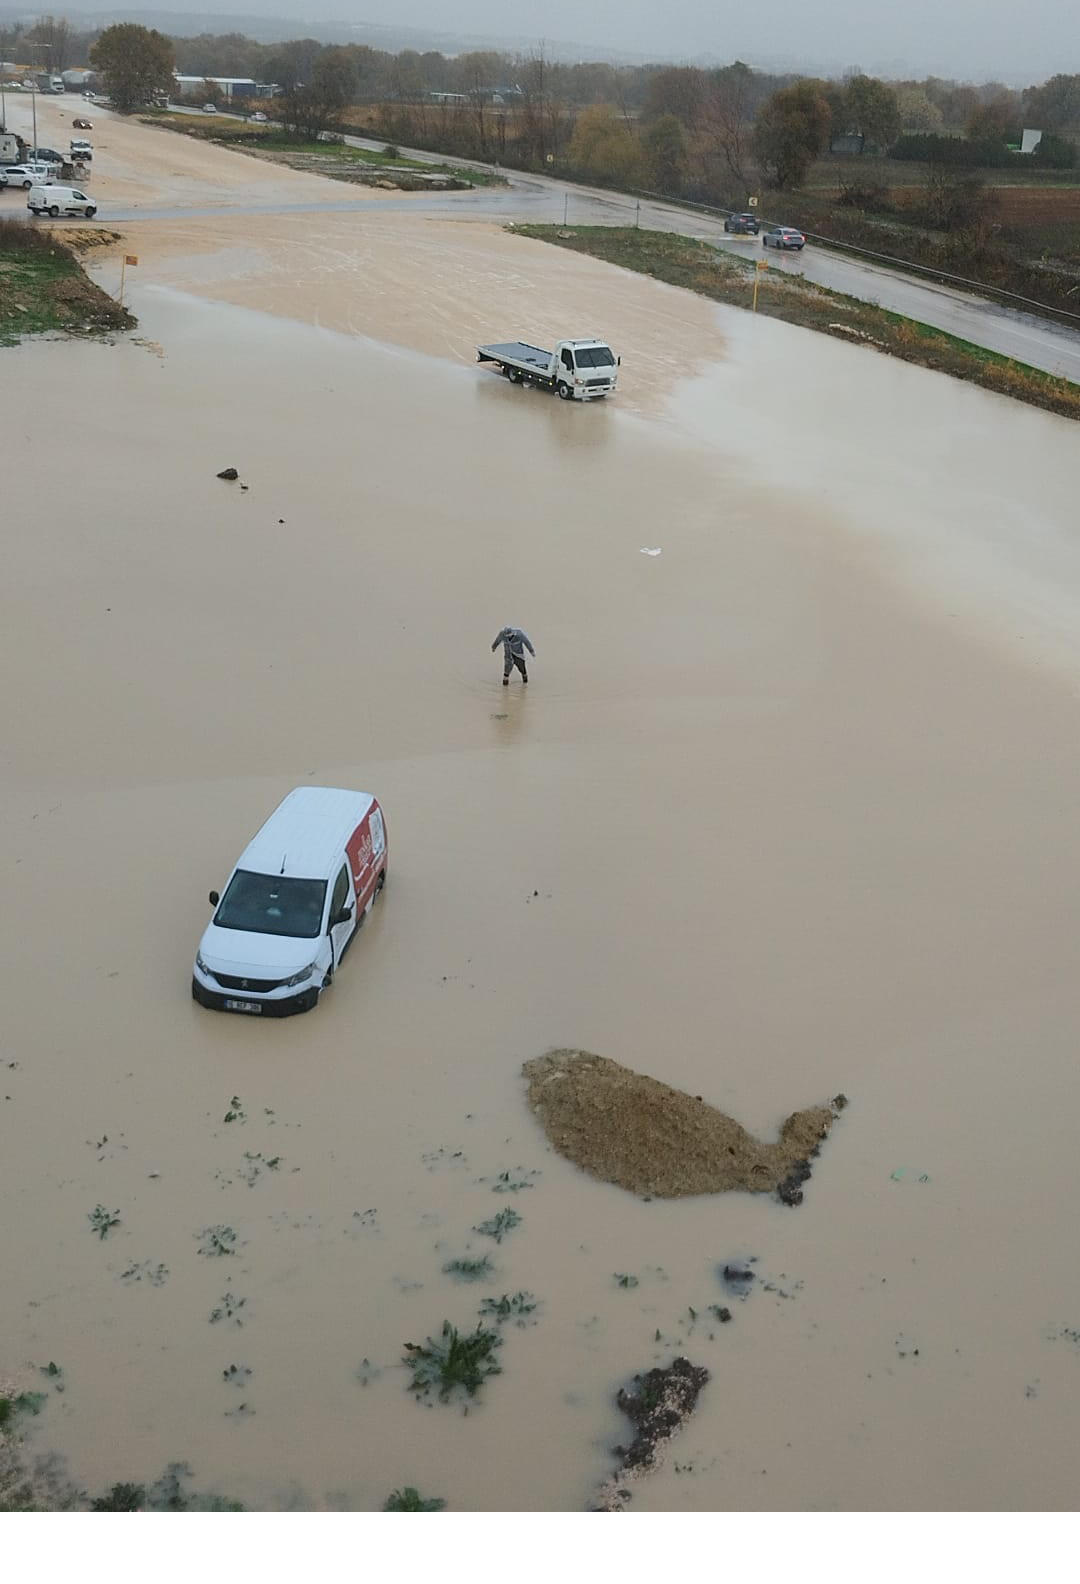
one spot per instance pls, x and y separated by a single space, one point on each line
743 224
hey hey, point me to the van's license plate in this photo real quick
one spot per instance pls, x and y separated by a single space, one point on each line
243 1006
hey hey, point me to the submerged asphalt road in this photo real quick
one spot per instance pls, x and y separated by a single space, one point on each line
1023 336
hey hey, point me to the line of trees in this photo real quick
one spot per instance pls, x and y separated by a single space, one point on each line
714 134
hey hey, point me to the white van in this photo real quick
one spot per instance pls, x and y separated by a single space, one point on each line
300 891
53 200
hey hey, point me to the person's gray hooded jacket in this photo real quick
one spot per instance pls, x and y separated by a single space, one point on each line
514 642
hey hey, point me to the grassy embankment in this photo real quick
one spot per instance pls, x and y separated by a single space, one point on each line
727 278
338 160
44 289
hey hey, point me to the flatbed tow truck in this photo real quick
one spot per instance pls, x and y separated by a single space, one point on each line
577 370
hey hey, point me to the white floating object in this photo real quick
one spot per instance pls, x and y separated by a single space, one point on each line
650 552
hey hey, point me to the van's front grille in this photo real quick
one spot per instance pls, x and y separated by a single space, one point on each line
260 986
605 381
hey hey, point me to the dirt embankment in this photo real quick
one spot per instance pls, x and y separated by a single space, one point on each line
631 1130
44 289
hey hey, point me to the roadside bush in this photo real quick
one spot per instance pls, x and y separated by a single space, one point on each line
1054 153
935 148
17 237
864 195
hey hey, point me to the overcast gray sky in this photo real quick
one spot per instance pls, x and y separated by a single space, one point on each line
1016 40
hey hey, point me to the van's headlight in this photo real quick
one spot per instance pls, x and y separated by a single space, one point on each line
202 967
298 978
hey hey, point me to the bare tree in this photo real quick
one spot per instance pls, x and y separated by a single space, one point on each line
53 35
727 121
539 114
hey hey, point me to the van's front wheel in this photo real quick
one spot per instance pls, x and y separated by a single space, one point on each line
565 393
90 212
54 210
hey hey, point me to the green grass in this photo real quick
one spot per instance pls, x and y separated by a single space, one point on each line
451 1364
469 1270
723 277
409 1499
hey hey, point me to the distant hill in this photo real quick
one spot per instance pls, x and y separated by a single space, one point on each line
272 29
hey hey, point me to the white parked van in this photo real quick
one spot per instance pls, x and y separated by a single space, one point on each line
299 893
53 200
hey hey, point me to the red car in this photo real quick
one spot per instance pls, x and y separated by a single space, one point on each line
783 237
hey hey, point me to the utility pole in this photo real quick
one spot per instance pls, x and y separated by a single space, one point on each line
3 101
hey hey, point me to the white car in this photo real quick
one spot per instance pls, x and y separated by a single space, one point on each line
27 175
209 109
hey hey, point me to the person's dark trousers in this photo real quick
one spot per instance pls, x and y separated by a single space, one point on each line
519 661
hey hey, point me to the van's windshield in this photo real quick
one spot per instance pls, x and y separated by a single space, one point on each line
272 905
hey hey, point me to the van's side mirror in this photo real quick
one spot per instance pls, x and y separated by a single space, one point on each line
341 917
618 362
214 899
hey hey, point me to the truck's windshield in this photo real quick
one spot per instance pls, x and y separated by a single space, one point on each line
593 357
272 905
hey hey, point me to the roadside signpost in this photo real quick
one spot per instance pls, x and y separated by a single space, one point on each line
129 258
762 264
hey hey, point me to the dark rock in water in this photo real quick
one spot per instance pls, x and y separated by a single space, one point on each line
790 1192
738 1277
656 1404
228 473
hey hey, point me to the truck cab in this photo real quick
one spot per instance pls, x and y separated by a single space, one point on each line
590 368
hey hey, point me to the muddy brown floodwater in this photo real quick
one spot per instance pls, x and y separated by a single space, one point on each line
786 810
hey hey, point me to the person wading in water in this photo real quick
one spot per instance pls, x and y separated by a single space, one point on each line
514 642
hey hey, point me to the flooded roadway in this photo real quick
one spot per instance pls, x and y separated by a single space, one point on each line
786 810
186 188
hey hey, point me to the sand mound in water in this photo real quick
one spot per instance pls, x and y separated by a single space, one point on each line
627 1129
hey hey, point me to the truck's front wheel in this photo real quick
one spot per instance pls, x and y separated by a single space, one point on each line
564 391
